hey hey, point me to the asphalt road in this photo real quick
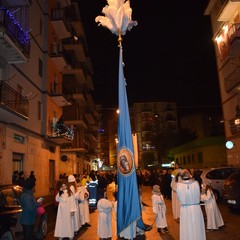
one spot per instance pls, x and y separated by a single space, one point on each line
230 231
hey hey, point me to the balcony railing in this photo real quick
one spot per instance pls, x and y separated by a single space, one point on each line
234 125
234 33
232 80
13 100
60 23
14 30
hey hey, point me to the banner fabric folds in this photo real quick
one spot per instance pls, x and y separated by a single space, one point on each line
128 207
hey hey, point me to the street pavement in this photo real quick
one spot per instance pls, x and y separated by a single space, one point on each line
229 231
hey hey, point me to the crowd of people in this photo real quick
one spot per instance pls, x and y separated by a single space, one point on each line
75 198
188 194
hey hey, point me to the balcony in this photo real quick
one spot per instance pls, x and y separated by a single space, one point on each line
227 9
57 95
14 42
234 125
17 3
228 41
73 117
61 133
60 23
57 56
90 117
78 74
13 101
74 50
81 147
232 81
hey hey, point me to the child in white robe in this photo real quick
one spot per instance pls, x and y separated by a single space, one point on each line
127 232
104 207
214 217
83 196
66 208
76 216
159 209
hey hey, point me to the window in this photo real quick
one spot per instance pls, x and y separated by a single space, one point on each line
40 68
200 157
184 160
17 161
18 138
18 96
39 110
40 26
193 160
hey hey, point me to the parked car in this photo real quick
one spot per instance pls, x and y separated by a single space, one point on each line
10 209
215 177
231 191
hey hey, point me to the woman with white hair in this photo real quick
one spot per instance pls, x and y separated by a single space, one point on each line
191 218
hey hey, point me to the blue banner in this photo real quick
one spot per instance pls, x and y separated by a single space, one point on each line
128 206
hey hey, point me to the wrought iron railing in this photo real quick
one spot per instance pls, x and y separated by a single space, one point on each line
10 98
234 125
232 80
14 29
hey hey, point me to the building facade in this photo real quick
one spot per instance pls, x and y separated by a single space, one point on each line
225 21
208 148
48 119
150 119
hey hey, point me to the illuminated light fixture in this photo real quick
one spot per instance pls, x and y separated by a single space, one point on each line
237 121
75 38
218 39
229 145
225 29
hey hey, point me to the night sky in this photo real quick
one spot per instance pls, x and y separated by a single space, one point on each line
168 56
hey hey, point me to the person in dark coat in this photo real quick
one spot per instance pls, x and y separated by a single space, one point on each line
102 185
166 184
29 209
21 179
32 175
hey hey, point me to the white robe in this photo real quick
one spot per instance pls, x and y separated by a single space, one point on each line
83 205
191 218
66 206
104 207
175 202
76 216
214 217
159 209
126 233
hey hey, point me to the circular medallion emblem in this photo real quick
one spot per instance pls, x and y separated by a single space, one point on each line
125 161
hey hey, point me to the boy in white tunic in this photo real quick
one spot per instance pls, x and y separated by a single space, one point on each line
191 218
83 196
104 207
214 217
159 209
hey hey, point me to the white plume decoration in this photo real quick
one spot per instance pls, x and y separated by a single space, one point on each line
118 17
